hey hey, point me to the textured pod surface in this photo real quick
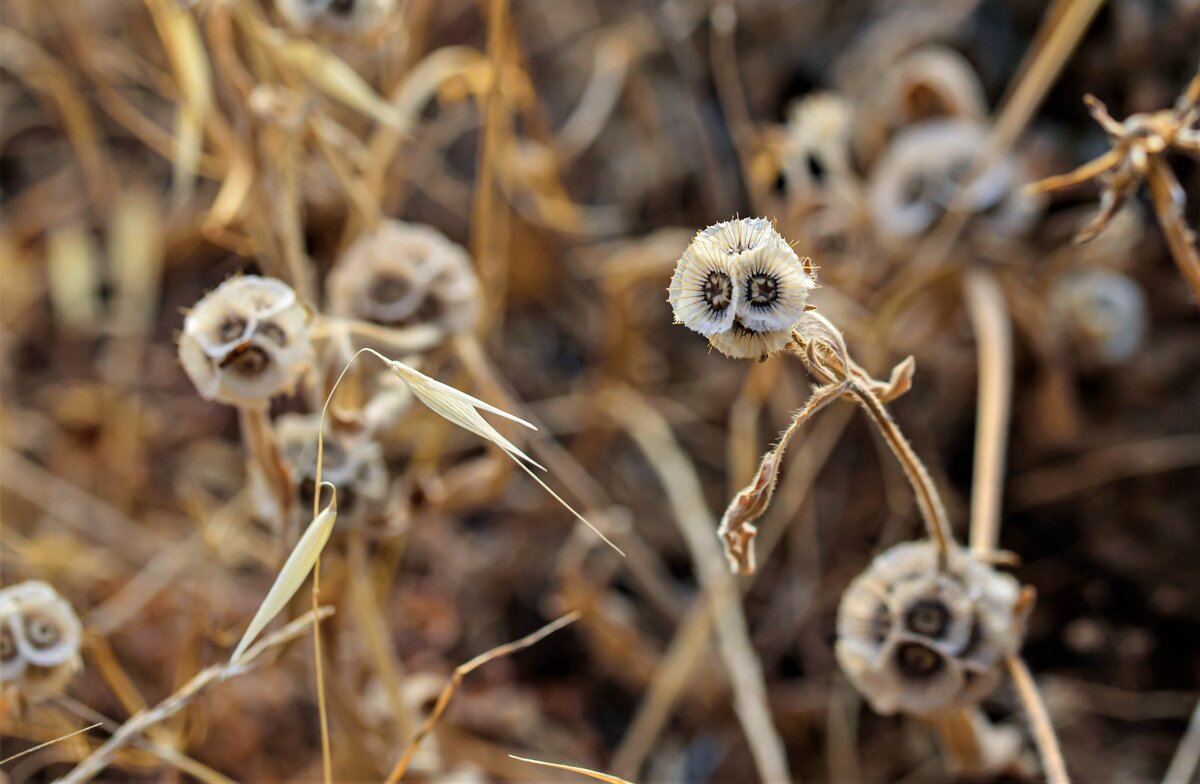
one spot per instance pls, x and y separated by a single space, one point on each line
742 286
246 341
353 464
914 639
920 175
40 635
405 274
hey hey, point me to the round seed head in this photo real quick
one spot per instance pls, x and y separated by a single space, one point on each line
405 274
354 464
921 172
914 639
246 341
340 17
817 141
40 625
1104 312
740 284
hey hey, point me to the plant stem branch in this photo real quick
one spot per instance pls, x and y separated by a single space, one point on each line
1039 719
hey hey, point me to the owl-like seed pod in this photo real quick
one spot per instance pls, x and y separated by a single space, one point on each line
920 175
817 142
40 637
339 17
1103 311
246 341
354 464
742 286
916 639
405 274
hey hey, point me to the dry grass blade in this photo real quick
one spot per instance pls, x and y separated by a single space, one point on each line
737 528
189 60
1187 755
41 746
993 334
462 671
1168 198
99 759
593 774
1039 719
293 574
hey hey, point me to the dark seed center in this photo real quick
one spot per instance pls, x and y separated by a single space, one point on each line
762 289
42 632
341 7
389 289
231 329
917 661
8 646
248 361
928 617
273 332
718 290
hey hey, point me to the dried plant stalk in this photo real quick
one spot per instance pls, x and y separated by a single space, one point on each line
462 671
99 759
593 774
1168 198
1043 731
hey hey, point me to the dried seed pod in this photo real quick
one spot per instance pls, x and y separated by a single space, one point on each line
246 341
39 639
929 83
742 286
817 142
405 274
353 463
1104 312
340 17
916 639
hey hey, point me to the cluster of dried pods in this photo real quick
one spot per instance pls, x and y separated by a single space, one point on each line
40 637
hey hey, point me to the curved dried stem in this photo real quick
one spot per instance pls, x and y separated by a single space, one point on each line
993 334
1039 721
1168 199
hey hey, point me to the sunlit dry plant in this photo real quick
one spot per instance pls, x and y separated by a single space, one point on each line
1138 154
40 637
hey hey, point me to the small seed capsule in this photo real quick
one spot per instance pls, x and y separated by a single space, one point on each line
40 637
916 639
1104 312
742 286
405 274
246 341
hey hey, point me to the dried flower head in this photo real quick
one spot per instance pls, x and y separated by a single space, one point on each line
742 286
817 141
1103 311
39 640
352 462
404 274
922 173
246 341
341 17
916 638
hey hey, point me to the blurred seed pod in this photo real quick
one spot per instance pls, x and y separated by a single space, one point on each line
352 462
1103 311
921 172
405 274
932 82
817 145
246 341
916 639
741 285
40 637
340 17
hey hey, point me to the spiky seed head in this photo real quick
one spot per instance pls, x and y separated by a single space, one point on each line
742 286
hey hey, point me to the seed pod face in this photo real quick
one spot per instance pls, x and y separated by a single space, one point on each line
342 17
919 175
246 341
817 141
917 640
405 274
741 285
40 627
12 664
354 465
1104 311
